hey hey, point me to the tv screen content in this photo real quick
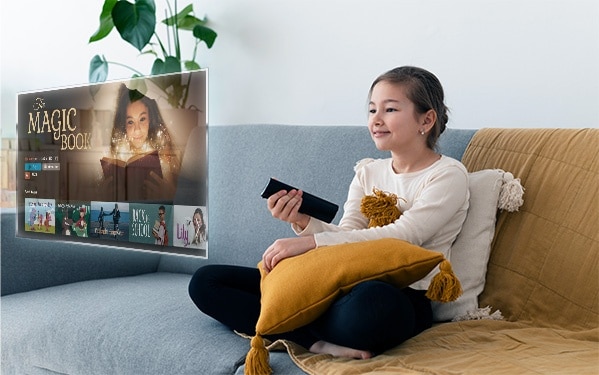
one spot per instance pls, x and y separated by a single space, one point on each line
121 163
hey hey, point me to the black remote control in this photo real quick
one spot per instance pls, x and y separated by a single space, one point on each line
312 205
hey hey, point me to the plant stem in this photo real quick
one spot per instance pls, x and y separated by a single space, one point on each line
168 32
125 66
184 101
164 51
195 50
175 25
176 34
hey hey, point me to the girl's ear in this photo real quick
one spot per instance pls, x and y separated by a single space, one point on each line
429 119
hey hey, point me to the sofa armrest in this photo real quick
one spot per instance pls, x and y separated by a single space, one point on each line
29 264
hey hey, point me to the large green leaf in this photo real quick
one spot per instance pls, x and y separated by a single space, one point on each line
184 20
170 21
157 67
205 33
173 81
98 69
106 23
170 65
138 84
191 65
135 22
189 22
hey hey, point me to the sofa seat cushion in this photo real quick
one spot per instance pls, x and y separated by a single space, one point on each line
131 325
470 347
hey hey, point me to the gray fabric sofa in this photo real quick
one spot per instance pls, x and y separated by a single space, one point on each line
86 309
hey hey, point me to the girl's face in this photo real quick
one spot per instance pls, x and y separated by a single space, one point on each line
137 124
197 220
393 121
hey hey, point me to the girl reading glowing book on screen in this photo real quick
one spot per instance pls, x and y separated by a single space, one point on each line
143 164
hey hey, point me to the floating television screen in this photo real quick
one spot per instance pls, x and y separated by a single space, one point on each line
120 163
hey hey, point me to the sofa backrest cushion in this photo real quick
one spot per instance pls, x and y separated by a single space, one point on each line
545 257
242 158
58 262
319 159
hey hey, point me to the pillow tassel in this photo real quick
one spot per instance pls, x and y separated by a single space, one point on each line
380 208
510 196
445 286
256 361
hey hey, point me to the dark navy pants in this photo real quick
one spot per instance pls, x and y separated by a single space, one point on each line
373 316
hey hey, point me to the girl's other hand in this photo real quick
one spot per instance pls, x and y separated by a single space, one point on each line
286 248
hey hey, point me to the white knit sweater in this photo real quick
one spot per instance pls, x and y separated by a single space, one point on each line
433 202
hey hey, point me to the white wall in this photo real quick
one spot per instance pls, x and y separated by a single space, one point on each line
508 63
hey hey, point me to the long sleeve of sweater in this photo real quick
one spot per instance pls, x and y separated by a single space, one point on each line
433 201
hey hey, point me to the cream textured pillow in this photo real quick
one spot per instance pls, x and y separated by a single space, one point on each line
472 248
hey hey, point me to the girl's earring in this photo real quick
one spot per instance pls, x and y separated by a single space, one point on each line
421 132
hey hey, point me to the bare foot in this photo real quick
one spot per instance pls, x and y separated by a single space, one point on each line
323 347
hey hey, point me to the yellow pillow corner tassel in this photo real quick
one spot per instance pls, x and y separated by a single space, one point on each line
257 359
445 286
380 208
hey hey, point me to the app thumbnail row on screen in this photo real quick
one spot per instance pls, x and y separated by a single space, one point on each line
142 223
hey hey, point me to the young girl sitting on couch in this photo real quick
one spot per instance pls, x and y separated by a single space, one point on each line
406 116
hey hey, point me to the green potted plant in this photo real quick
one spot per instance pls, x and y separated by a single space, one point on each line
136 23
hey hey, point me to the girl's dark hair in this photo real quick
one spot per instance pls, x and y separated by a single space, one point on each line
158 135
201 213
424 89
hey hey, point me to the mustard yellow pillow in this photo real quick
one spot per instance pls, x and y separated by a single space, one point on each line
299 289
